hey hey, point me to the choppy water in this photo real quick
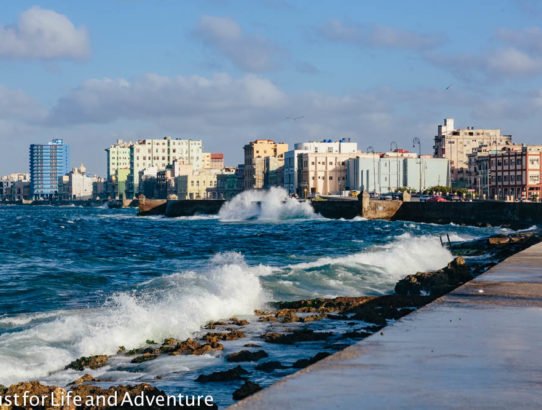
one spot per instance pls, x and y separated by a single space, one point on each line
83 281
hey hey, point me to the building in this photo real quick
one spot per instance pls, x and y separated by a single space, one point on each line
255 154
456 144
212 161
226 184
391 171
322 173
513 173
327 145
159 153
47 163
15 187
199 185
118 157
77 185
116 184
273 172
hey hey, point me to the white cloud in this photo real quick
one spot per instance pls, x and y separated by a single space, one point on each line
377 36
17 105
43 34
153 96
247 52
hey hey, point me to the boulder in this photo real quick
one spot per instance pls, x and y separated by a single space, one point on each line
270 366
247 356
246 390
92 362
307 362
236 373
303 335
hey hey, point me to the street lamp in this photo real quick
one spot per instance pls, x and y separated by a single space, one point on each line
415 141
371 149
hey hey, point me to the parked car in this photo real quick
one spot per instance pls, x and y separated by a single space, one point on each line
436 199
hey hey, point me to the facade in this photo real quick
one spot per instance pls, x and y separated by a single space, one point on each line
290 157
513 174
47 163
322 173
158 154
255 154
15 187
226 184
116 184
273 172
387 173
456 144
77 185
199 185
118 157
212 161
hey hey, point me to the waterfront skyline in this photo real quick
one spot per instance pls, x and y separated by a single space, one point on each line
228 73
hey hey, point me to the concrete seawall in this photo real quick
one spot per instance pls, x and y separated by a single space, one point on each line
476 347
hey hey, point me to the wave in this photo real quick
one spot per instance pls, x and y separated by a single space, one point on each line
170 306
265 205
373 271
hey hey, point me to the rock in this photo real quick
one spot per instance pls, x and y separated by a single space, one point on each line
355 335
312 318
246 356
270 366
303 335
307 362
233 334
251 345
289 317
169 341
212 325
144 358
236 373
246 390
435 283
267 319
208 347
237 322
498 240
92 362
186 347
261 313
85 378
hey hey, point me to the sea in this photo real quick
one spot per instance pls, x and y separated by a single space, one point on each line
80 281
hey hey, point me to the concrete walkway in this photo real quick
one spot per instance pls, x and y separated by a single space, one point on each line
477 347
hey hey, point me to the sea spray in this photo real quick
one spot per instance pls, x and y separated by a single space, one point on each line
373 271
265 205
171 306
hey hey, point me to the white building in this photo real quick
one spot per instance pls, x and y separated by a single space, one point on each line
342 146
373 173
118 157
76 185
159 153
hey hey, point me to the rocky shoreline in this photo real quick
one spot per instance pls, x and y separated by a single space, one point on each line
343 320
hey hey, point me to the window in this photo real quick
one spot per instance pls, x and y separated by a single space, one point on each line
330 178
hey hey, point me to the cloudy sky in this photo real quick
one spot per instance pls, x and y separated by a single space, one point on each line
228 71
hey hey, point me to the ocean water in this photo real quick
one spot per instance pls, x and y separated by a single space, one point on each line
84 281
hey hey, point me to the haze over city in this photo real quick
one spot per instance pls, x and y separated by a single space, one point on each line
227 72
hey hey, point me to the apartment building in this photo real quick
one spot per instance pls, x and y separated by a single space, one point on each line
47 163
255 154
456 144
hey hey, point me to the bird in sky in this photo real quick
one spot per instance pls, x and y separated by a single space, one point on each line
450 86
294 118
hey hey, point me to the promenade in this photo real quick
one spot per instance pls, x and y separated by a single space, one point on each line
477 347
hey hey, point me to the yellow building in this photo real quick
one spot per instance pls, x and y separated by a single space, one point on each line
255 154
199 185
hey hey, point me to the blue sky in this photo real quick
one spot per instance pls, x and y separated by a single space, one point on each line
231 71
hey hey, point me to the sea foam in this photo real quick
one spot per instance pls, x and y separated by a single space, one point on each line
171 306
265 205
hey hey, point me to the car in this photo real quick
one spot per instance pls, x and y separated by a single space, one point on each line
436 199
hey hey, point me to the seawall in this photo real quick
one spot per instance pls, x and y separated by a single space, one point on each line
474 347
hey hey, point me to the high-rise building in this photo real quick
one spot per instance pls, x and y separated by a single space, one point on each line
255 154
159 153
456 144
47 163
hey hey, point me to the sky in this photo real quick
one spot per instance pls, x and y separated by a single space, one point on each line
228 72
